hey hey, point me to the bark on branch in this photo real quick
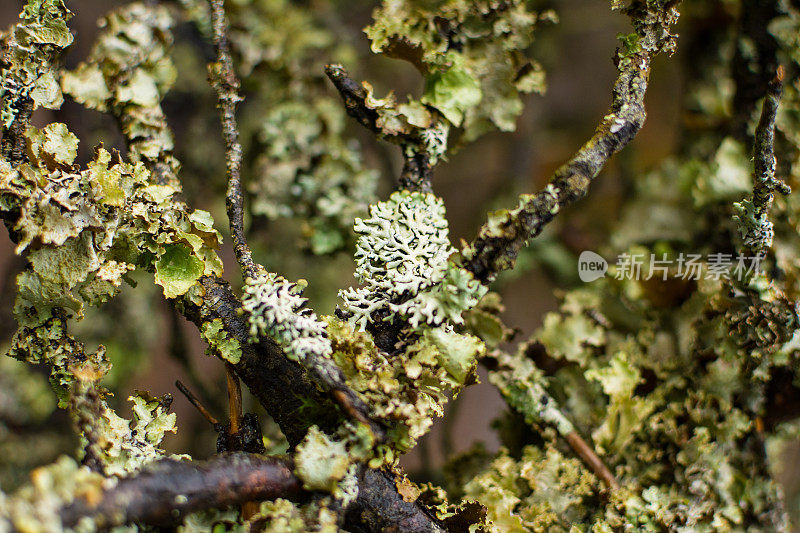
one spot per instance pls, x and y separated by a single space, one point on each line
417 173
164 493
496 247
226 84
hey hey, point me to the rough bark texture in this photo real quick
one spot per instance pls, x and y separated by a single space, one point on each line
495 249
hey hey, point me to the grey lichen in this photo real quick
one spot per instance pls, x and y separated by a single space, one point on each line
403 264
276 308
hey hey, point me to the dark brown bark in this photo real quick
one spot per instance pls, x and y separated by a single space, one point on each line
164 493
380 507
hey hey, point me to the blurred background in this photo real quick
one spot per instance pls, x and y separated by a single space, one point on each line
151 346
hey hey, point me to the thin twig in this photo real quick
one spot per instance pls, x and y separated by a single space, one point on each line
355 98
591 459
226 84
498 241
234 398
417 173
196 402
522 386
755 226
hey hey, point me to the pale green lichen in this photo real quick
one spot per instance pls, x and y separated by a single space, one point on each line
51 344
542 491
402 261
283 516
523 387
96 224
121 446
219 342
321 461
36 507
128 73
471 53
408 390
30 51
276 308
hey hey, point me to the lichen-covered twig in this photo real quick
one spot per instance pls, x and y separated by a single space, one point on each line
163 494
499 240
521 385
354 96
752 214
226 84
417 173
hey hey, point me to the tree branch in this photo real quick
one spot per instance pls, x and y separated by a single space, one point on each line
417 173
225 82
381 507
164 493
753 215
499 240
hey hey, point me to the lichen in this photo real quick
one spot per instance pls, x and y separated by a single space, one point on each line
118 446
36 506
276 308
321 461
406 391
402 262
219 342
28 64
283 516
128 73
96 224
471 53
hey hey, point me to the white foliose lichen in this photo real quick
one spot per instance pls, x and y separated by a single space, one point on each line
402 261
276 308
